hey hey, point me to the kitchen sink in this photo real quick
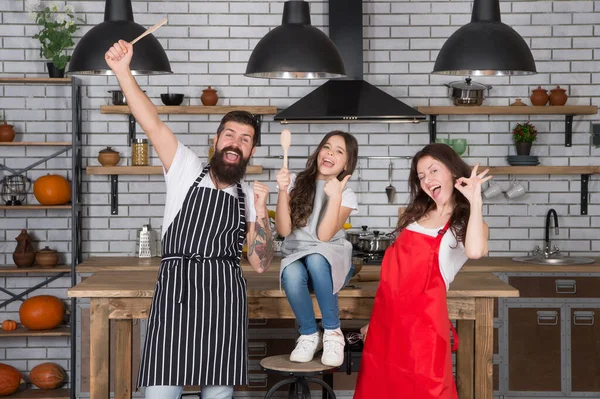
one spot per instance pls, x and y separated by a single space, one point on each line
556 260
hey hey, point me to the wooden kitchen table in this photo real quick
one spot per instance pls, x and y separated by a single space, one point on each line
126 295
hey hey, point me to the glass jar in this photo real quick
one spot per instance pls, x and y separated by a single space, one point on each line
211 148
139 152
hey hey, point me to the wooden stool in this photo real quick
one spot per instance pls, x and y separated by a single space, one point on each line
300 375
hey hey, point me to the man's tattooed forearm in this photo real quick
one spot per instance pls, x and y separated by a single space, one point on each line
263 243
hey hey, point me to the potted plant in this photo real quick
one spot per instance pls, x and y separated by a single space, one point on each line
55 36
524 135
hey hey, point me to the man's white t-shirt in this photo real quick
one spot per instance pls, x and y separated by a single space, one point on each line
184 170
451 256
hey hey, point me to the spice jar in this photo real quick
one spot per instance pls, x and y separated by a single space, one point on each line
211 149
139 152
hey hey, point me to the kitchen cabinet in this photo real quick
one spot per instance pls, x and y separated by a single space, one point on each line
73 210
552 336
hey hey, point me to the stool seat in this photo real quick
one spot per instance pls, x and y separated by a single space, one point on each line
283 363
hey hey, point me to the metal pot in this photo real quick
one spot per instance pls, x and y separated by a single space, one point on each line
118 98
377 243
467 92
354 236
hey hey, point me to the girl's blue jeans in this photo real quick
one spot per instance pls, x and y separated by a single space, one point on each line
312 272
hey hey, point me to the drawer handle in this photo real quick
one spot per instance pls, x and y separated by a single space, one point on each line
547 317
257 381
566 286
583 318
257 322
257 349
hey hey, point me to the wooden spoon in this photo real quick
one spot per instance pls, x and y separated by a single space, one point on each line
286 141
149 30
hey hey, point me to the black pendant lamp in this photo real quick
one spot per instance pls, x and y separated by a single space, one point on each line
296 49
149 57
485 47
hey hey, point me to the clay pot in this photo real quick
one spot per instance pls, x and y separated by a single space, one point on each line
539 96
209 97
24 254
518 103
7 133
108 157
558 96
46 257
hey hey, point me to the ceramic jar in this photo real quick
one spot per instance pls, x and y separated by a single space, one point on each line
46 257
539 97
558 96
108 157
7 133
24 254
209 96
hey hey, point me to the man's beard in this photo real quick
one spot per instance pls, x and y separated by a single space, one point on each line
225 172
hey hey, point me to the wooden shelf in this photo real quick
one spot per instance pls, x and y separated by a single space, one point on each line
510 110
543 170
63 331
38 143
40 394
11 269
36 80
193 109
30 207
147 170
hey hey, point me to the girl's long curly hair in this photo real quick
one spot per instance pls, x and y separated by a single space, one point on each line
421 203
302 195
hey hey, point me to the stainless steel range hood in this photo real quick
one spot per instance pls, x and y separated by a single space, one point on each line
354 99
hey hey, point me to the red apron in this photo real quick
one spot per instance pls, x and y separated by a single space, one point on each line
407 351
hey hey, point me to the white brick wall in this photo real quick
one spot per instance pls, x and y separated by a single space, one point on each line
209 43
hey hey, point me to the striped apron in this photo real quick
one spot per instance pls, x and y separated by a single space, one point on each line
199 317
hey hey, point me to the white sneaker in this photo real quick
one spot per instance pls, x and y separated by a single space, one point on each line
333 348
306 347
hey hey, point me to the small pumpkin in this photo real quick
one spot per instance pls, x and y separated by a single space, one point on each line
10 379
52 190
48 376
9 325
42 312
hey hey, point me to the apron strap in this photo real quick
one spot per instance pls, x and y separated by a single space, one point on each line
242 229
202 174
454 337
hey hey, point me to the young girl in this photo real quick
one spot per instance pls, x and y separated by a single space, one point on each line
407 353
311 211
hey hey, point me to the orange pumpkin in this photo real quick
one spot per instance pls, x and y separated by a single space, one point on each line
52 190
48 376
9 325
42 312
10 379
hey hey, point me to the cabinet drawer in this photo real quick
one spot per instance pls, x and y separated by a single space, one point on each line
556 287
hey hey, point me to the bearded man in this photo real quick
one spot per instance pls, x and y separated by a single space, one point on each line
197 328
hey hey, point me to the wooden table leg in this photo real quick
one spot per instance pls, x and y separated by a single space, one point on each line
123 358
99 349
484 347
465 359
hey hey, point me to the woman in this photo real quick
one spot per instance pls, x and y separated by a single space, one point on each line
407 354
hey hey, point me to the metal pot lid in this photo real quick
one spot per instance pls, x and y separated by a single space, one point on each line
467 85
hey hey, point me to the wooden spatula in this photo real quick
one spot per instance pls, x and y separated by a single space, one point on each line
149 30
286 141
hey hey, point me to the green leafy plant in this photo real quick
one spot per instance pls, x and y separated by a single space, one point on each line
56 33
524 133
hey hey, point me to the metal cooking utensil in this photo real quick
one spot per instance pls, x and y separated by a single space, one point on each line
390 190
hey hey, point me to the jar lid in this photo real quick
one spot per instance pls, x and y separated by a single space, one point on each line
140 141
108 150
540 89
467 84
558 88
47 250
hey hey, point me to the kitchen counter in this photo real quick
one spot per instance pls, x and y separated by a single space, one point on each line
126 295
488 264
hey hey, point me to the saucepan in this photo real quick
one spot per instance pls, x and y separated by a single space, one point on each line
377 243
467 92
